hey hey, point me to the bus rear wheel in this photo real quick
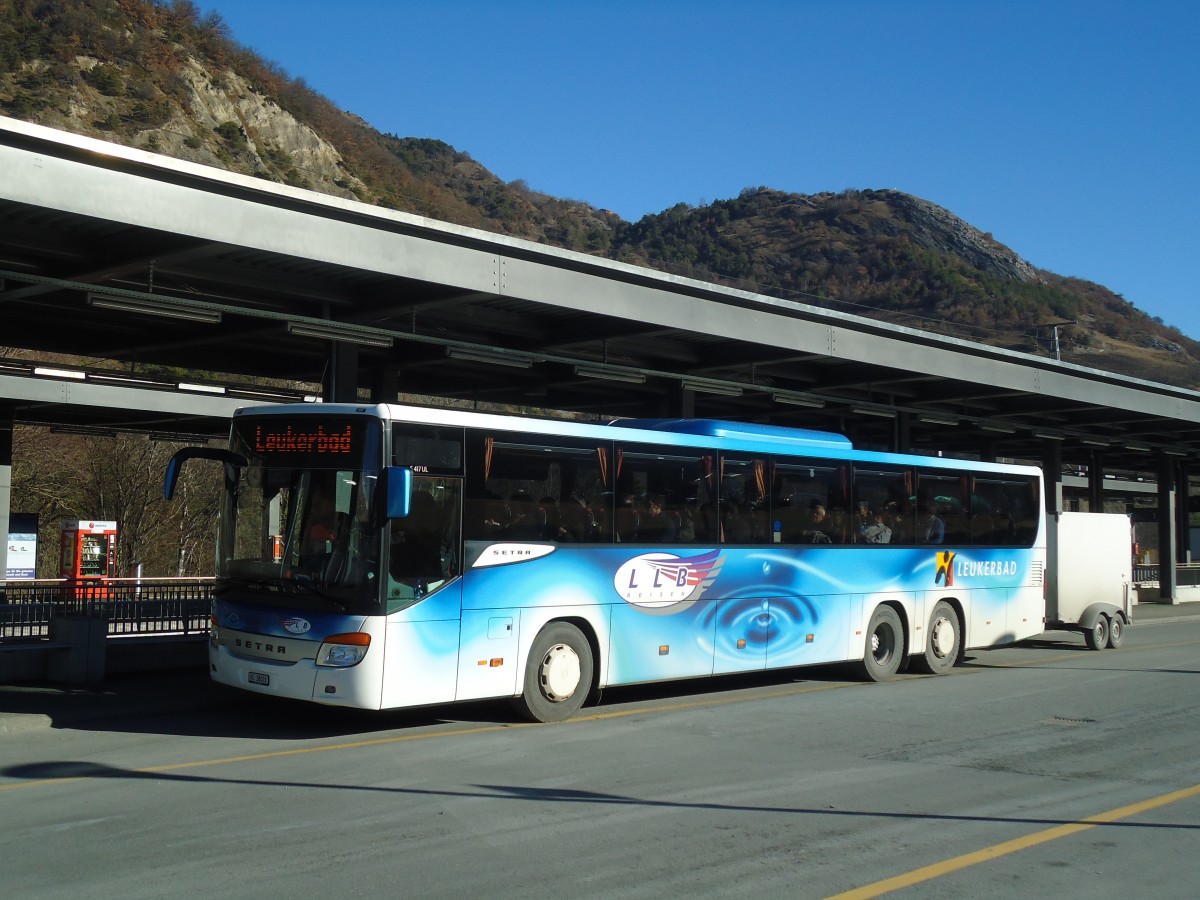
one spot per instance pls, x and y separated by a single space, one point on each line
558 674
884 648
943 640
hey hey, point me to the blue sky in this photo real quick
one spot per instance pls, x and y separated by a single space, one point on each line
1069 130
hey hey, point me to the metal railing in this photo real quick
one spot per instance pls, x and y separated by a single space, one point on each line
130 606
1185 573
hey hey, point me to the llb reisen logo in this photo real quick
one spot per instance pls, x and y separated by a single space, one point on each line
664 583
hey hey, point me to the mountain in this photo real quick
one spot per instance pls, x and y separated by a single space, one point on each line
164 77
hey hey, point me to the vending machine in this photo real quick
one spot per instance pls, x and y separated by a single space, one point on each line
89 557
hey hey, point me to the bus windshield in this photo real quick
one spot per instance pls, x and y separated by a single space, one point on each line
299 522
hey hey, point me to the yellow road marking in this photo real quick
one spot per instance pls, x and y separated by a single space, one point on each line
957 863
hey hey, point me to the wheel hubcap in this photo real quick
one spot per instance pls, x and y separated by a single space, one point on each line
559 675
942 638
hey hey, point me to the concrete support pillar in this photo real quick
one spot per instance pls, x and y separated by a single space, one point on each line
1052 477
6 452
679 403
1095 482
1183 509
902 433
341 374
1168 544
1053 497
385 384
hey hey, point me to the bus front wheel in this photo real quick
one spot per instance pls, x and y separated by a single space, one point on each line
884 645
558 674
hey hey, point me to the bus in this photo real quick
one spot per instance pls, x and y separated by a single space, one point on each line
387 556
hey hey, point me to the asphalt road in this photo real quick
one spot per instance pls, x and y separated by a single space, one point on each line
1039 770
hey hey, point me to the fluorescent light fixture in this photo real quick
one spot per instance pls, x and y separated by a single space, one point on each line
874 411
483 356
59 373
799 400
129 380
172 438
1049 435
997 427
938 418
86 430
606 374
201 388
1175 451
347 334
711 387
1143 448
1093 442
164 308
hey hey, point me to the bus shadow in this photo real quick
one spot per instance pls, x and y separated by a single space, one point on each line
188 704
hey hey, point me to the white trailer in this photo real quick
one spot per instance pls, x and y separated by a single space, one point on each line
1091 566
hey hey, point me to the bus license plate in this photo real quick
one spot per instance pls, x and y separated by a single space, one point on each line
259 678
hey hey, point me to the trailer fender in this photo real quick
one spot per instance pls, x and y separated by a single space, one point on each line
1087 618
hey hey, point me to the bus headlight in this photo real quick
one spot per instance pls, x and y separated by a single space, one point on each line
343 650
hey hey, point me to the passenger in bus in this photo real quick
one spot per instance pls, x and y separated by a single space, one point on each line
930 529
687 527
861 518
815 529
320 535
838 525
875 530
549 520
577 522
658 524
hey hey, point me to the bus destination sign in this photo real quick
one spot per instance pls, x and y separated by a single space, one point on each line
270 438
316 441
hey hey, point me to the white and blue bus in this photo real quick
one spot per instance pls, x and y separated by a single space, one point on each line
393 556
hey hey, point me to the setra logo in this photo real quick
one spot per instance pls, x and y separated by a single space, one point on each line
664 583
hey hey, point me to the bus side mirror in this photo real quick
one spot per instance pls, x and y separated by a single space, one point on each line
175 466
399 491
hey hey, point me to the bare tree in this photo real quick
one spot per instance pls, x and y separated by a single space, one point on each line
72 477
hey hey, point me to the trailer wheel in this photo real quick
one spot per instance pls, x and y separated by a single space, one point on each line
884 645
943 640
558 674
1116 631
1097 635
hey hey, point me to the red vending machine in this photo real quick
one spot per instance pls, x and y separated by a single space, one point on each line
89 557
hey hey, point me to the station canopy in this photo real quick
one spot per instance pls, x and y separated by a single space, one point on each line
168 269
